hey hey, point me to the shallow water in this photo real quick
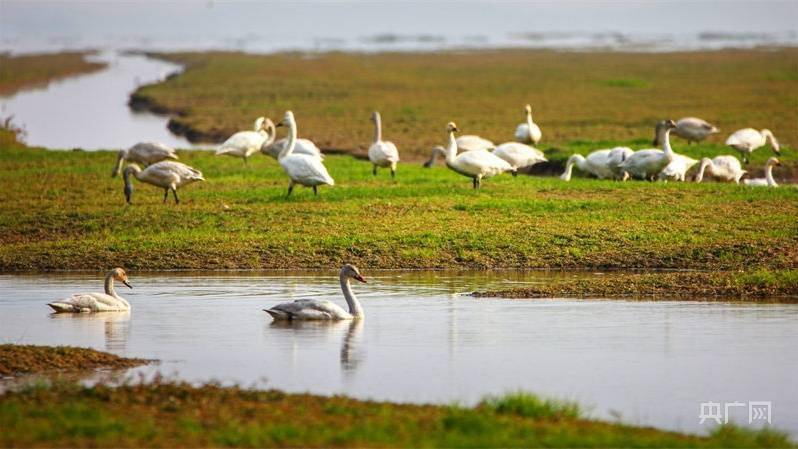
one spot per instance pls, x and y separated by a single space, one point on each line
651 362
90 111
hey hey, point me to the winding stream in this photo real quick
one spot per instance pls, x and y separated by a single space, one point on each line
421 341
90 111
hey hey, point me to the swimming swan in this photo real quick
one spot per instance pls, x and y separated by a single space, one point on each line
244 144
144 153
168 175
692 129
602 164
301 169
722 168
469 142
528 132
475 164
272 147
748 139
768 180
519 155
382 153
314 309
646 164
96 302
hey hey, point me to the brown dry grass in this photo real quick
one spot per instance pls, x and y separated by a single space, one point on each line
20 72
28 359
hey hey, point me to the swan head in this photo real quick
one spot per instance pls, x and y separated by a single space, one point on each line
773 142
451 127
662 126
259 123
120 275
351 271
528 109
288 119
375 116
773 162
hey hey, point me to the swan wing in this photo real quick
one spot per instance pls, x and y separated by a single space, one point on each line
306 170
303 146
695 127
746 138
382 153
242 142
522 133
481 163
150 152
473 143
308 309
519 155
88 302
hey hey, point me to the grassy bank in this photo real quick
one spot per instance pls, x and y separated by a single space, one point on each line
780 285
62 210
26 359
21 72
575 96
179 415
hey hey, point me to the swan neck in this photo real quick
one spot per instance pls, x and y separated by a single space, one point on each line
289 148
666 144
354 305
120 159
569 167
700 175
451 150
377 128
769 175
529 119
109 285
132 168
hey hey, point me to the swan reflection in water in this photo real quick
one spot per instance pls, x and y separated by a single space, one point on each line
116 327
349 355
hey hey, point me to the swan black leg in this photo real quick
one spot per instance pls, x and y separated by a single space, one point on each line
315 191
374 171
515 173
474 182
174 192
165 194
393 174
290 189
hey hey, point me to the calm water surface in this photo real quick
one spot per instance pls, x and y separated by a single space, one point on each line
90 111
421 341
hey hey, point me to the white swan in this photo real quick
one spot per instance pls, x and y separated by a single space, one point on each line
677 168
475 164
272 147
314 309
768 179
646 164
144 153
528 132
382 153
168 175
722 168
519 155
244 144
602 164
469 142
96 302
301 169
693 129
747 140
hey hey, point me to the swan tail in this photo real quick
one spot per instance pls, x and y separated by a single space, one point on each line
278 314
60 307
172 156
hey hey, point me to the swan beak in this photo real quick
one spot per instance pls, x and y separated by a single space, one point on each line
128 285
361 279
279 124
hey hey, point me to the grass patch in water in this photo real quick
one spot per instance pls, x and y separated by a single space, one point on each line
16 360
27 71
168 414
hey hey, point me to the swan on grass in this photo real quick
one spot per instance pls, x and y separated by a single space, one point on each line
646 164
146 153
382 153
272 147
469 142
168 175
721 168
519 155
748 139
301 169
602 164
676 170
529 131
96 302
692 129
314 309
768 180
244 144
475 164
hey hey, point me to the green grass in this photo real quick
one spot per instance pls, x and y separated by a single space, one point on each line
165 414
592 97
62 210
